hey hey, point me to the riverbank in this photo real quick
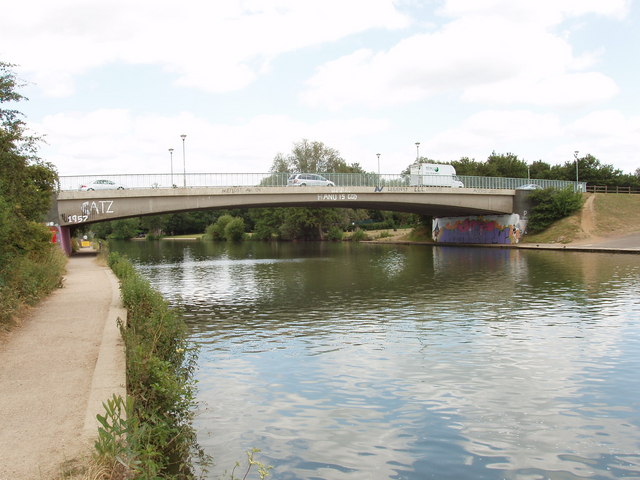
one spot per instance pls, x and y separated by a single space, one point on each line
56 368
606 223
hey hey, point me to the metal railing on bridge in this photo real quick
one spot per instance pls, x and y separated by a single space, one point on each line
195 180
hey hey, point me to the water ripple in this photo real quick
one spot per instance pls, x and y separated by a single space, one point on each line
366 362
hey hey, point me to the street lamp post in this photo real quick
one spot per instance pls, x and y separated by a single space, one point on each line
171 154
184 164
575 155
417 152
378 168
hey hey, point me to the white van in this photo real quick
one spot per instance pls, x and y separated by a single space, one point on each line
434 175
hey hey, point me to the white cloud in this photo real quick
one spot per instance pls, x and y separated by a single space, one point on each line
121 141
486 131
475 75
486 58
608 135
563 90
213 46
544 12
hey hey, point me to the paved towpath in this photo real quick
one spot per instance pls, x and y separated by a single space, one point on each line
56 369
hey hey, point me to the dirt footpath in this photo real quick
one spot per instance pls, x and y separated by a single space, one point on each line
56 369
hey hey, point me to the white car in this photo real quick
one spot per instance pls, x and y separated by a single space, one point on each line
101 185
308 179
529 186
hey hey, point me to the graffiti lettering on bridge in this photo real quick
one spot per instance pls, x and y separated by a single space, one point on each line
337 196
236 190
73 218
397 189
97 208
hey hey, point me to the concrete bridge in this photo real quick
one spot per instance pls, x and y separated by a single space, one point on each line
74 208
153 194
79 207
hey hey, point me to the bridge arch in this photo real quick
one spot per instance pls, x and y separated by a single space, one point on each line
79 207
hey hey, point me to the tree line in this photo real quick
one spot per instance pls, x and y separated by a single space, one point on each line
324 223
30 265
589 168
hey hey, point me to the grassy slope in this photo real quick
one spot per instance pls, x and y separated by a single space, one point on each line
617 214
613 215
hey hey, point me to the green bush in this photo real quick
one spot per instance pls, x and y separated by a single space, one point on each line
234 230
359 235
335 234
262 232
161 442
550 205
216 231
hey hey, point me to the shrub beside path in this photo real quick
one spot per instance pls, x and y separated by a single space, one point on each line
56 368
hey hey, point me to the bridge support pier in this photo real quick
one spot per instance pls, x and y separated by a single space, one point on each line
65 240
484 229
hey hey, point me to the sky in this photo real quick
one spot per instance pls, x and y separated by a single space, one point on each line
113 84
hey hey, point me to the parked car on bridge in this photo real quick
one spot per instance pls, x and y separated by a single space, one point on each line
308 179
101 185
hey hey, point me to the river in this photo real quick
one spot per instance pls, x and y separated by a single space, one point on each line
360 361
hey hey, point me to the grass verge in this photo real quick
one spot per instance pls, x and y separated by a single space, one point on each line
617 214
566 230
148 434
26 279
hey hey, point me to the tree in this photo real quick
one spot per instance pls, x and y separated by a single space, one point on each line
467 166
505 165
267 222
234 230
26 181
304 223
125 229
28 269
153 224
216 231
313 157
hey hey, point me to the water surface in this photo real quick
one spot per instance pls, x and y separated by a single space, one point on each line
344 361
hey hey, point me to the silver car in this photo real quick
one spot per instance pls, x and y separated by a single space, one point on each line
529 186
101 185
308 179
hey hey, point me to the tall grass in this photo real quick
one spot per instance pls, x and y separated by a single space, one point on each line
149 434
27 278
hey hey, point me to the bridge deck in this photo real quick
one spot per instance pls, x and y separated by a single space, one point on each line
77 207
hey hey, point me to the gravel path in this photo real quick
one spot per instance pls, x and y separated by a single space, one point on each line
56 369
